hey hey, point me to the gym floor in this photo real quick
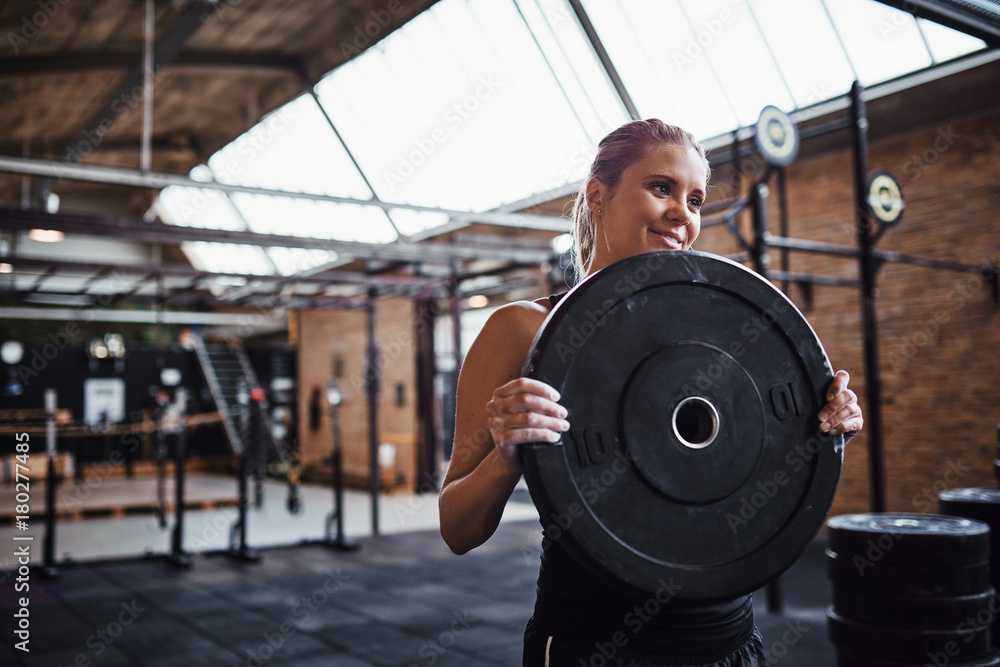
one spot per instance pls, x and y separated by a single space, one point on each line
400 599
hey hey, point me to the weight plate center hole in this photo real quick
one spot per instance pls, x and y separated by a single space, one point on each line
696 422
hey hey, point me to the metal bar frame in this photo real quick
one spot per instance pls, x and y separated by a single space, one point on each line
159 180
602 55
137 230
869 293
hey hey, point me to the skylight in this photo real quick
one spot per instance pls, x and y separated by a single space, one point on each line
475 104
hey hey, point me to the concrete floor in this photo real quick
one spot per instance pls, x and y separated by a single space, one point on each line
270 525
401 599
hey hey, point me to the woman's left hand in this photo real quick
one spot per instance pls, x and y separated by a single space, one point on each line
842 415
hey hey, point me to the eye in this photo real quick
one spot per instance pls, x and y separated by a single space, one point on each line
696 203
661 188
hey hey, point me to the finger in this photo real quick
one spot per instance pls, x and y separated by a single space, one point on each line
849 427
534 403
527 385
840 380
533 420
833 424
509 438
521 403
842 400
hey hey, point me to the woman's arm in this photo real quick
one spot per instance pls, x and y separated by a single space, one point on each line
497 410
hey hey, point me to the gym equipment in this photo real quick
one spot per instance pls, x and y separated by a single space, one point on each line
908 644
885 197
178 556
333 398
693 388
924 539
49 569
910 586
776 137
248 436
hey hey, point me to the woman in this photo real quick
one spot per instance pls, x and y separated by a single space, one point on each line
644 193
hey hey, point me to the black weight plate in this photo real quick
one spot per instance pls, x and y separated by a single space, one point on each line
912 611
979 503
909 539
625 349
851 659
885 197
860 574
904 645
776 137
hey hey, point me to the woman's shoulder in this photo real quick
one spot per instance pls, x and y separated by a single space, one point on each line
520 315
514 324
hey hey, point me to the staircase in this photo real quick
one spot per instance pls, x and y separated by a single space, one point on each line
228 372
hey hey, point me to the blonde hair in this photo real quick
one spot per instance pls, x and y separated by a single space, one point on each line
616 153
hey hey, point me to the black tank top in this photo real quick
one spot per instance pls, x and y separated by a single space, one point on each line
576 604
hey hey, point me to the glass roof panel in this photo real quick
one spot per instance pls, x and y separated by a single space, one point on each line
227 257
410 222
661 64
882 42
732 41
812 60
290 261
474 104
946 43
596 107
266 214
292 149
461 110
197 207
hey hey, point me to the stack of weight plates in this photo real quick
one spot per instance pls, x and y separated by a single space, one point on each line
981 504
908 590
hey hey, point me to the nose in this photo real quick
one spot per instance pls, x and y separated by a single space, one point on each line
677 213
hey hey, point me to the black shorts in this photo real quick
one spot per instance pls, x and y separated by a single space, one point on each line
541 650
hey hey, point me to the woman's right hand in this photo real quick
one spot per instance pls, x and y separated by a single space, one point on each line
524 410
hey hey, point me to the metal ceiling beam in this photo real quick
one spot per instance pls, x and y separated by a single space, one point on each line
189 21
145 272
976 19
140 316
155 232
602 55
267 63
158 181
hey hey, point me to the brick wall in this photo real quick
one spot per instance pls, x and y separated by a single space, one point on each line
939 331
336 340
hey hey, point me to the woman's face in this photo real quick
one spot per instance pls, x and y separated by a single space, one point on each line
655 206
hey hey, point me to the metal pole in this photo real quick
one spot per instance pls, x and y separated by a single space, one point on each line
783 224
48 558
146 155
238 539
761 259
426 371
456 319
456 339
761 262
177 554
333 397
372 380
869 292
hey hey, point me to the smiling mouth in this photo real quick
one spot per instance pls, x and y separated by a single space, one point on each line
669 240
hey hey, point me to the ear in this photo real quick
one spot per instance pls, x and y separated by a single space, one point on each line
595 195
